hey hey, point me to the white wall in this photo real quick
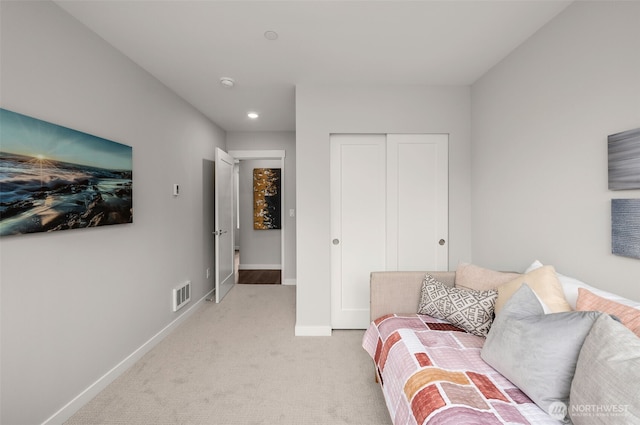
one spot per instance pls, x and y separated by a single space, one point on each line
259 249
539 153
276 140
75 303
321 111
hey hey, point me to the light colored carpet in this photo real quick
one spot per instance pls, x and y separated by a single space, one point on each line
238 362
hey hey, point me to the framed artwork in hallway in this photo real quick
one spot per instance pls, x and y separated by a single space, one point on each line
266 198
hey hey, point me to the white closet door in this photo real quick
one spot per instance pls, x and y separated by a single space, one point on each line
358 208
417 200
389 211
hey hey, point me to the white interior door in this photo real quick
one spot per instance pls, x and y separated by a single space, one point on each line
389 211
224 245
417 200
358 204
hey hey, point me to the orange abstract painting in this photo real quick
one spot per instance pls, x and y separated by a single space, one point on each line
266 198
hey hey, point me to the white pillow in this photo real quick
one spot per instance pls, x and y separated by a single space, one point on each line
570 287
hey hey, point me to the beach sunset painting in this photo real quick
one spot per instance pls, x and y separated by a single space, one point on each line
55 178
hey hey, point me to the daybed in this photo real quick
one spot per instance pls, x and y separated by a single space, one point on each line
537 362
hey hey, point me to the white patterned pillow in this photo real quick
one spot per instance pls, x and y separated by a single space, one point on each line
466 309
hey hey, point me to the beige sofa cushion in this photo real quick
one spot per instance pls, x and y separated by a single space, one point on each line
399 291
545 285
470 276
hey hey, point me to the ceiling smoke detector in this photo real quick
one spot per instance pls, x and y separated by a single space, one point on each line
271 35
227 82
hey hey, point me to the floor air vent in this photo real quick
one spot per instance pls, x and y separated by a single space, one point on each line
181 295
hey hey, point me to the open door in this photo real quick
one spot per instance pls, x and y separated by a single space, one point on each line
224 245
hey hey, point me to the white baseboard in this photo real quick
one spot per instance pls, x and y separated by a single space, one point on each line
259 266
94 389
289 282
312 331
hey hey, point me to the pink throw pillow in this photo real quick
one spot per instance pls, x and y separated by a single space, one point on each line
629 316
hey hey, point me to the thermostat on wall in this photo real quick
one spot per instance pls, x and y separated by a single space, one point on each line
176 190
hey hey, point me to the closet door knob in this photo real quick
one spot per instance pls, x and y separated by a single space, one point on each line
335 241
441 241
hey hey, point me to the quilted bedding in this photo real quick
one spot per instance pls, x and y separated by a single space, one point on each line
431 372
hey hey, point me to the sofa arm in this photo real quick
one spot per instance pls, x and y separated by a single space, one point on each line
399 291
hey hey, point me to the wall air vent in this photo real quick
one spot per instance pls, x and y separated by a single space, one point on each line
181 295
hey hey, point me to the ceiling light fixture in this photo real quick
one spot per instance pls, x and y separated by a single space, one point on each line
253 115
271 35
227 82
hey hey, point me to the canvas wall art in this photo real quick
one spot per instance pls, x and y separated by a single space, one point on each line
625 227
55 178
266 198
624 160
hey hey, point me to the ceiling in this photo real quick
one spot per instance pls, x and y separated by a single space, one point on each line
189 45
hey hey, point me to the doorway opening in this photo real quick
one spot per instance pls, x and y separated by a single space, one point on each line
259 253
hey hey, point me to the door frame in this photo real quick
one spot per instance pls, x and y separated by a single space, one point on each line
277 155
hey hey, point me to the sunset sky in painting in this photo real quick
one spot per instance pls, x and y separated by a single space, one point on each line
23 135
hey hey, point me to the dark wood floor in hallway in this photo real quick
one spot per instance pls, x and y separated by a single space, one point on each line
260 277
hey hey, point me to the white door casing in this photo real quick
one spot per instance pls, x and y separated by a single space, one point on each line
389 211
224 244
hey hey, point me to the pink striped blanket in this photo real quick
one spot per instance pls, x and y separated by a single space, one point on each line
431 373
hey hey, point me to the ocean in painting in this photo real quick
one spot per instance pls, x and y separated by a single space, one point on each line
39 195
55 178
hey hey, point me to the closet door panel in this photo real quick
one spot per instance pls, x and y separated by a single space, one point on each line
417 199
358 220
389 211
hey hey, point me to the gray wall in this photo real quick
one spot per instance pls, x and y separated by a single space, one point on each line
252 141
321 111
76 303
539 153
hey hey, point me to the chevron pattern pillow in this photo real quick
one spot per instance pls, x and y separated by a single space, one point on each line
467 309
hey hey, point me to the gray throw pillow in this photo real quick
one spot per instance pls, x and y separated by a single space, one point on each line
605 387
537 352
467 309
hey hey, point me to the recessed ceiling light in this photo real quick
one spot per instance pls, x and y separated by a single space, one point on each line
227 82
271 35
253 115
